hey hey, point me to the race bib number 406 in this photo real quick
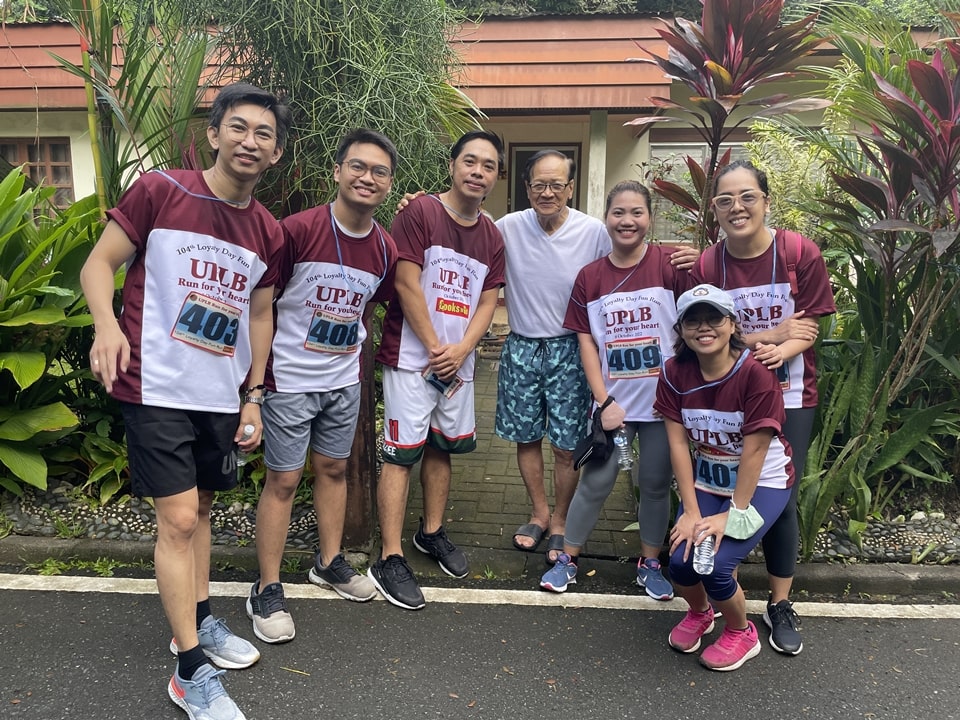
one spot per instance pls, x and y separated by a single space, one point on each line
208 324
634 358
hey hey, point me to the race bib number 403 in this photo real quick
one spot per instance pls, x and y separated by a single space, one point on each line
634 358
209 324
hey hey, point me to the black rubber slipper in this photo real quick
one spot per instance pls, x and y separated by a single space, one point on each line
555 542
530 530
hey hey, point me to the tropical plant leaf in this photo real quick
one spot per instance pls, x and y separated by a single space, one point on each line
40 316
914 428
26 463
26 424
26 367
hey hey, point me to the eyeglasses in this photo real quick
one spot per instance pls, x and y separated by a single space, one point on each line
747 199
238 132
358 168
692 323
556 188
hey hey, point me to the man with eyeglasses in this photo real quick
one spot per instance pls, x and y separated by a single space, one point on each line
339 263
202 260
541 387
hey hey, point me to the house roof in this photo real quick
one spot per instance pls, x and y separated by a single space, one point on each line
560 64
30 77
518 65
529 65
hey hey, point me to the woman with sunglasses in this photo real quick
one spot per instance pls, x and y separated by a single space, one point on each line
715 395
780 288
623 310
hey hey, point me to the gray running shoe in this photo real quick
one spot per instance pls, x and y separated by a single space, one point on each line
342 579
225 649
272 622
203 697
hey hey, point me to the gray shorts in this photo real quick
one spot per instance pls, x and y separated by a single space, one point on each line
324 422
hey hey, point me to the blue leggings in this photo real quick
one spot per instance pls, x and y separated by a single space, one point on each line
720 585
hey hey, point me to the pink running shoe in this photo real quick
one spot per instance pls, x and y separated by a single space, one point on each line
685 637
732 649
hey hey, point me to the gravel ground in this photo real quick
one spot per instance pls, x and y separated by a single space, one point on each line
928 538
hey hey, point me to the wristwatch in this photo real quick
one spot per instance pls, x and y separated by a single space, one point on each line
255 399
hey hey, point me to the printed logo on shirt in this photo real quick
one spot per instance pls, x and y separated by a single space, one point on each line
452 307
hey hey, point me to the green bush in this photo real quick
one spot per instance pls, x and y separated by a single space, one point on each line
41 305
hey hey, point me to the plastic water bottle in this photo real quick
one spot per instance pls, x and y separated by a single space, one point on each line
242 457
624 452
703 556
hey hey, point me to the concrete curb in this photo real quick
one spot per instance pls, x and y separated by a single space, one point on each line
841 580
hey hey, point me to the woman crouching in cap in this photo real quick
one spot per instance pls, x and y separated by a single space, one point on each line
715 395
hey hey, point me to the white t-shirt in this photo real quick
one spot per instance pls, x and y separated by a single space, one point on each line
541 268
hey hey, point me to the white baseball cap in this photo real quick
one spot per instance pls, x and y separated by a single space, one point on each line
706 295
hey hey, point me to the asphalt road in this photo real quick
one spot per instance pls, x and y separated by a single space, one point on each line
66 652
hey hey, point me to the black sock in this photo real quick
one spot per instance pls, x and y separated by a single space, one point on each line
203 611
189 662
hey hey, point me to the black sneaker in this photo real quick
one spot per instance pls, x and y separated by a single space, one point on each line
784 624
438 546
395 580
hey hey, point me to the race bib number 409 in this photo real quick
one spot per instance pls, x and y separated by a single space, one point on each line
209 324
634 358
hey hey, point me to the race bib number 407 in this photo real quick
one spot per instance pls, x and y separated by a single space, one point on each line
634 358
209 324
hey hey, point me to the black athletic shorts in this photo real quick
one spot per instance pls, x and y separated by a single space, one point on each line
171 451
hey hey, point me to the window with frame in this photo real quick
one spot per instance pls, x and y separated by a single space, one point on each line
520 153
47 162
670 223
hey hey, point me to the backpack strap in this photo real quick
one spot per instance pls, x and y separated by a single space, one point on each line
792 240
708 263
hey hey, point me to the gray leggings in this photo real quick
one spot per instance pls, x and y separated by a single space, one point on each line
651 474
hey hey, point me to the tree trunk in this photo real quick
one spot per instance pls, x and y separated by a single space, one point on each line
360 523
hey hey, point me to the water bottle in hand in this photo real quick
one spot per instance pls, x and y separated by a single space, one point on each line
624 452
703 556
242 457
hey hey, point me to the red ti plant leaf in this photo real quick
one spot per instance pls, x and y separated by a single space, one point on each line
739 45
